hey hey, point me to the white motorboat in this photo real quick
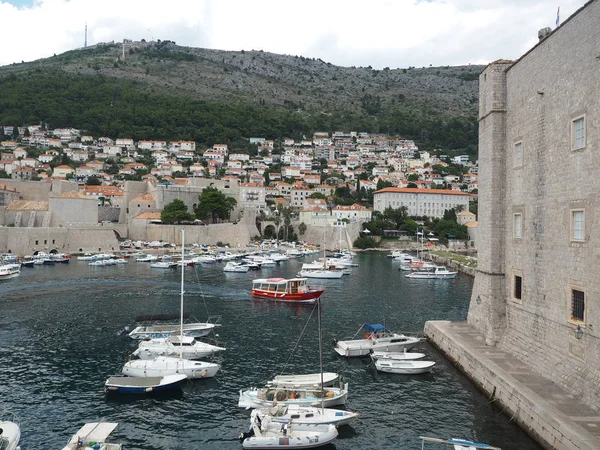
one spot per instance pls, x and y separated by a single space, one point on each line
432 272
204 259
268 434
306 380
274 395
409 367
186 347
10 434
306 414
458 444
399 356
376 338
321 273
146 258
235 267
8 271
167 365
163 265
93 436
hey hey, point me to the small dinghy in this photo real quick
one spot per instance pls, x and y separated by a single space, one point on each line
268 434
143 385
93 436
403 367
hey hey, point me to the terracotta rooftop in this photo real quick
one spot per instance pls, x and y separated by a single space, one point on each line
144 198
148 215
421 191
28 205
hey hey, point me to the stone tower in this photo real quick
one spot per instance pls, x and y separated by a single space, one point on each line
487 311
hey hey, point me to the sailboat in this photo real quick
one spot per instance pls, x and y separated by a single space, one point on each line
170 365
322 269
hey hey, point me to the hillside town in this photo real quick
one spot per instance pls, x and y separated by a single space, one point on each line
307 176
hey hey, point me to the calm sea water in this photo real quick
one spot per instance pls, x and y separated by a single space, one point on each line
59 343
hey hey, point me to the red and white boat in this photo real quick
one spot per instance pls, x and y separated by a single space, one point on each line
293 290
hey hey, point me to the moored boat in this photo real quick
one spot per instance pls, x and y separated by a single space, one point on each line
306 414
431 272
143 385
376 338
267 434
409 367
186 347
275 395
285 290
93 436
167 365
10 434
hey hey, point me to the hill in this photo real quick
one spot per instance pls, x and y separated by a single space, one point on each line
160 90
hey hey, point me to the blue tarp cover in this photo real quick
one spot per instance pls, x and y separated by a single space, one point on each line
373 327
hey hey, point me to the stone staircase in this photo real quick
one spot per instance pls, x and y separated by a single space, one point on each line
31 222
18 218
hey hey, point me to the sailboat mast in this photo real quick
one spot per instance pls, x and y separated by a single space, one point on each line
320 352
181 301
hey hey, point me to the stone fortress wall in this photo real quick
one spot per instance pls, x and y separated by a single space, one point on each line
534 102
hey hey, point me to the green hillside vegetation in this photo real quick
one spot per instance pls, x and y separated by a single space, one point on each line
163 91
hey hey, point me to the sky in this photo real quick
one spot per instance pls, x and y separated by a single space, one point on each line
360 33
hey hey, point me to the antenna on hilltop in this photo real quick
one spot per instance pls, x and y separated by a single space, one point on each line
85 42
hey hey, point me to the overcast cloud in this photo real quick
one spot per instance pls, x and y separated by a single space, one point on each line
377 33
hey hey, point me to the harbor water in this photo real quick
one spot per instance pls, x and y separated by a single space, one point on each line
59 343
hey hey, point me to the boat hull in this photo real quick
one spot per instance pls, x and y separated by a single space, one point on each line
164 365
291 436
164 331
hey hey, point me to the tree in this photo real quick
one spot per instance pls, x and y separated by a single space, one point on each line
175 212
411 185
302 228
381 184
93 181
318 195
413 177
3 174
213 203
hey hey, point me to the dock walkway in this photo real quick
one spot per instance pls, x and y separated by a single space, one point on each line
550 414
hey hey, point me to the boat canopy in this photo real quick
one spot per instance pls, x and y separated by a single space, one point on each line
374 327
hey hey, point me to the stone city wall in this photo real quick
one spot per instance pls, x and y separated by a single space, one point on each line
27 241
